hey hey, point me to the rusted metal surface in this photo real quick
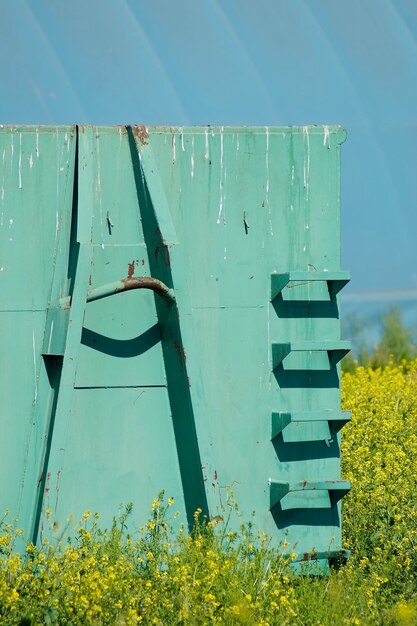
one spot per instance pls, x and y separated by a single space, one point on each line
142 282
141 132
126 284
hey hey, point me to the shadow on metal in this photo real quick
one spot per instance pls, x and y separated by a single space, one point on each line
123 348
172 346
312 379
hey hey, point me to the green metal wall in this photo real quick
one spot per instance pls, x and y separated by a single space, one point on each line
233 383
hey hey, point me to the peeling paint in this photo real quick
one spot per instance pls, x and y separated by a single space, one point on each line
207 149
141 132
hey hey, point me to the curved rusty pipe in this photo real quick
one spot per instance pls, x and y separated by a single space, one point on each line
140 282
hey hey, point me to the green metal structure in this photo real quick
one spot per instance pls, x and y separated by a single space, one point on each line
170 320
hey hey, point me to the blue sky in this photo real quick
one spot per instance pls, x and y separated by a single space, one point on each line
269 62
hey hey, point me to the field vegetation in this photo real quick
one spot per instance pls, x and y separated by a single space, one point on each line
156 575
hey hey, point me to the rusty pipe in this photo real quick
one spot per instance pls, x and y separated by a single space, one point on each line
126 284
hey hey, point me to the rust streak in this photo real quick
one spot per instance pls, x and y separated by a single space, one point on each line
130 269
144 282
181 353
167 257
141 133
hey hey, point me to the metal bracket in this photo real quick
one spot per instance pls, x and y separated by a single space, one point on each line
335 281
329 421
323 494
335 350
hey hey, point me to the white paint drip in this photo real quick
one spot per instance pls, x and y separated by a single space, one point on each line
4 154
192 158
31 161
225 254
174 148
221 149
267 180
306 159
207 152
224 196
50 336
292 174
34 366
12 145
182 140
221 184
98 188
267 159
10 222
326 135
57 138
1 269
20 160
220 205
237 144
268 295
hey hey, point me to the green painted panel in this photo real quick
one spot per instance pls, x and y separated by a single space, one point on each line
127 455
183 395
36 184
36 188
121 336
21 387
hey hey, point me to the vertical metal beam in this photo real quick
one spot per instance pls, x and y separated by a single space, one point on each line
61 410
159 232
